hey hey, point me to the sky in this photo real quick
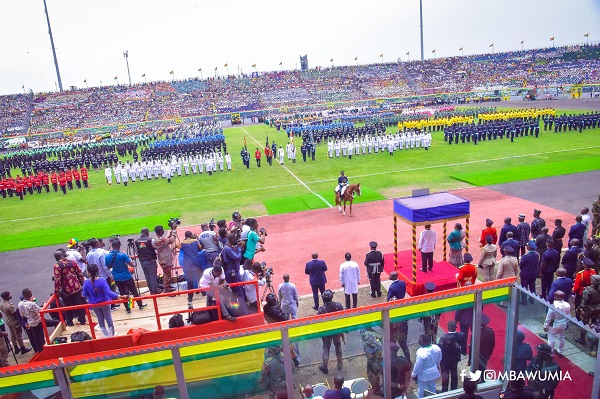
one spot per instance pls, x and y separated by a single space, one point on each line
184 35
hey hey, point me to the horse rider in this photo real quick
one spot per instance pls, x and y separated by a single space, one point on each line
342 184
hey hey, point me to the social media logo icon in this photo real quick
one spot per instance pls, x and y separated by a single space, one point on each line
475 376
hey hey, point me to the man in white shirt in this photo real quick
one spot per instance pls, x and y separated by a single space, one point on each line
427 246
228 160
288 297
427 365
250 271
556 322
74 254
215 278
585 219
349 280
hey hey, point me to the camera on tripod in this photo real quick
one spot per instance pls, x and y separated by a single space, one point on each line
174 222
267 272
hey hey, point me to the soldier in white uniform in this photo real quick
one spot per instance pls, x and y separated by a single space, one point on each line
208 164
179 164
363 144
220 160
108 175
186 165
133 171
293 152
281 154
200 163
125 174
344 147
338 148
228 160
117 172
142 170
330 148
194 163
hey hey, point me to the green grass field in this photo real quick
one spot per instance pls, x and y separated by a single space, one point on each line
103 210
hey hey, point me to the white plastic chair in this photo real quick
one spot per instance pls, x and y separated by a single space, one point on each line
319 389
359 388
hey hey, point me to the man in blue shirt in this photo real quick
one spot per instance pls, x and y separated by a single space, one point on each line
569 259
508 226
339 391
397 289
510 241
119 262
562 283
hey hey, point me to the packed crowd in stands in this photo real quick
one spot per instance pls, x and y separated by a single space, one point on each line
113 105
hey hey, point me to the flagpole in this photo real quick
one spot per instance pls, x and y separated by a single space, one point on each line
86 85
587 39
522 45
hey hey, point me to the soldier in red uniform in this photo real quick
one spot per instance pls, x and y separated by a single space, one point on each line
28 185
37 182
69 177
62 182
84 176
54 180
77 177
467 273
489 230
3 186
11 187
45 181
269 155
19 187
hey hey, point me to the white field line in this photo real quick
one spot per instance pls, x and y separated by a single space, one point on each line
292 173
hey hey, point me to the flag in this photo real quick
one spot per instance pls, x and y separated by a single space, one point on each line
408 53
199 69
433 51
586 35
144 75
253 65
281 63
522 41
171 73
22 87
460 49
245 145
552 38
491 45
331 60
381 55
356 58
215 68
225 65
115 78
84 80
267 144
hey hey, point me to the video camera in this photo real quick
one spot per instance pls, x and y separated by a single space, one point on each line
114 237
212 224
263 231
267 272
173 223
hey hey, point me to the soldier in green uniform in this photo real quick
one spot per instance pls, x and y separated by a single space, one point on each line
374 352
596 217
273 371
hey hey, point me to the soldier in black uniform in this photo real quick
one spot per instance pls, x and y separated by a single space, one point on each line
374 263
147 257
330 306
303 151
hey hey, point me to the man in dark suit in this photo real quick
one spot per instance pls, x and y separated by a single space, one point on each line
316 269
508 226
577 231
510 241
569 259
397 289
562 283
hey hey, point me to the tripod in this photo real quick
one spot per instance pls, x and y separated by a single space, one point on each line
268 289
175 252
133 254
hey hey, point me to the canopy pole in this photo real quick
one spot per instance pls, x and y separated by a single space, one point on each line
395 243
467 235
445 236
414 253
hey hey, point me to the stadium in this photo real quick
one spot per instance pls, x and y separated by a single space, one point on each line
231 157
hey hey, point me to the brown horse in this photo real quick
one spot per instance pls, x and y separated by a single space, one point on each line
347 197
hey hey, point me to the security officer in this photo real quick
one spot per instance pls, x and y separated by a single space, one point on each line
430 323
373 347
541 366
273 371
303 151
147 257
330 306
374 263
588 310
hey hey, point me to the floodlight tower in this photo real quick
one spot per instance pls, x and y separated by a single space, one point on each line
126 55
53 49
421 26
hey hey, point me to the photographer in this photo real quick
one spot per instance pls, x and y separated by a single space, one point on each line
210 243
76 253
192 267
254 237
231 255
235 226
119 262
163 243
252 272
147 256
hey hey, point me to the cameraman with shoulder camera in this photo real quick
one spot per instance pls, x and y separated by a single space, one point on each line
163 243
254 237
147 256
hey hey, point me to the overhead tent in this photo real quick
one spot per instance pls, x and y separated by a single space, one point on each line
429 209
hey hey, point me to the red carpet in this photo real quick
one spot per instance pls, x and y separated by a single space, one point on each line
579 387
443 274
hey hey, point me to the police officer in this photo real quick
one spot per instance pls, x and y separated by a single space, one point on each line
303 151
147 257
373 347
330 306
273 371
542 366
374 263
